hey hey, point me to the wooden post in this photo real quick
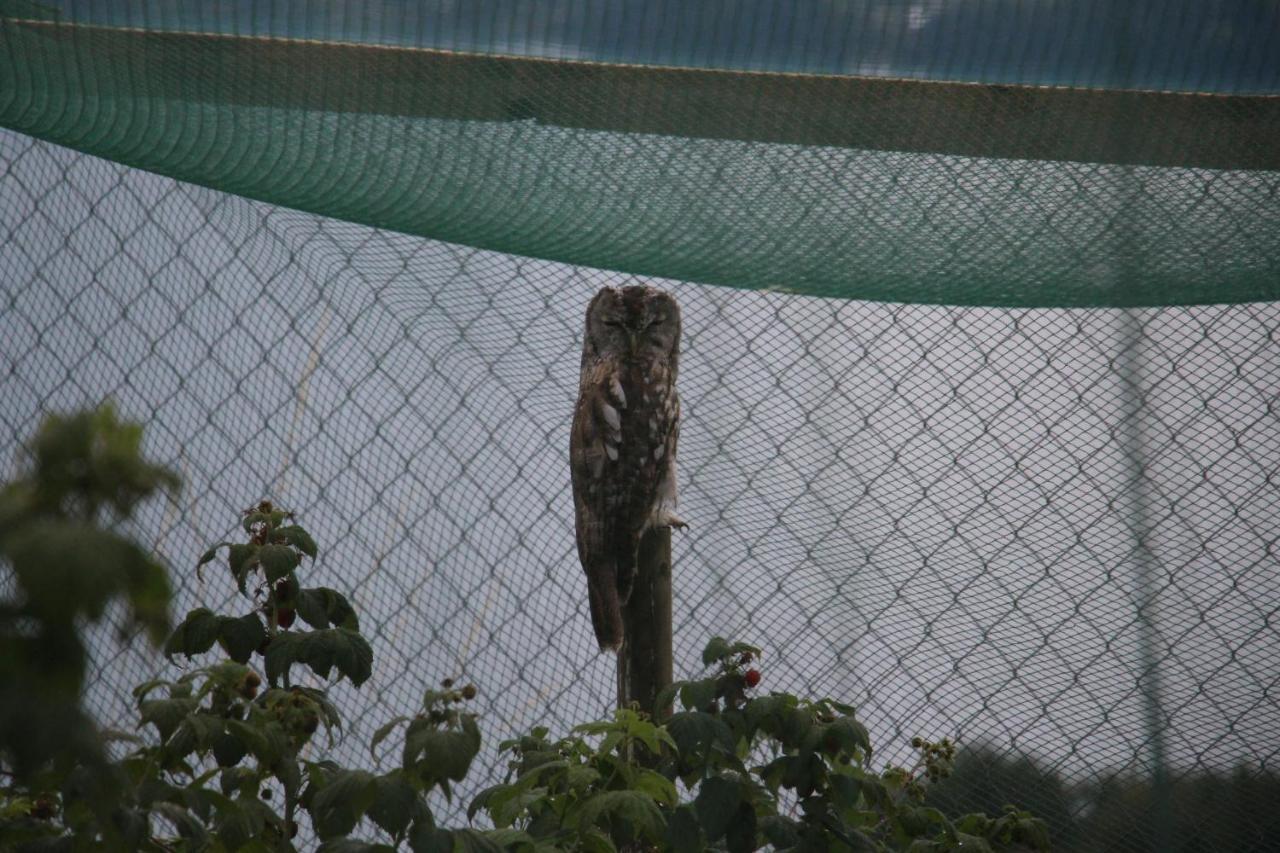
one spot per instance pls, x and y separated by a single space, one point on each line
644 661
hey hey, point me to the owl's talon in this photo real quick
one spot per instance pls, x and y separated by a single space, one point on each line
677 523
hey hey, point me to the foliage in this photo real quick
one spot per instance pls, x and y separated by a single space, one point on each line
223 766
689 783
81 477
1224 813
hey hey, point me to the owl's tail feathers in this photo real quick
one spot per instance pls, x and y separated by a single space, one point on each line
606 610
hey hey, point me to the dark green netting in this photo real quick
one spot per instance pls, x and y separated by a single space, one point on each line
912 191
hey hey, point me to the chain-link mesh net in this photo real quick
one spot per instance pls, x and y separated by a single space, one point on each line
1051 531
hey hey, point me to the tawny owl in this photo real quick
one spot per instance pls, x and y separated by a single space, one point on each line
622 449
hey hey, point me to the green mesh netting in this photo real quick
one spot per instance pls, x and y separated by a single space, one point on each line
1049 528
857 187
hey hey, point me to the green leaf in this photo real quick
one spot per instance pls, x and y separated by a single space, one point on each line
635 807
241 559
238 822
441 754
323 650
166 714
321 607
847 734
684 835
196 634
425 838
351 845
268 741
1032 831
782 832
510 839
277 561
393 803
240 637
662 789
338 806
697 695
716 649
595 841
298 538
188 825
282 653
290 776
740 836
382 733
698 734
977 843
717 803
471 841
238 780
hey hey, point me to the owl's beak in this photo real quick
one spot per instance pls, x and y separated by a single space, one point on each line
633 338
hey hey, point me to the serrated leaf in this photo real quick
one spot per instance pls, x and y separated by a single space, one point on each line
238 780
425 838
298 538
740 837
662 789
196 634
697 695
716 648
277 561
684 835
393 803
188 825
352 845
166 714
442 754
716 804
976 843
323 651
382 733
241 559
338 806
636 807
782 832
267 741
240 637
510 839
697 734
321 607
665 697
281 653
290 776
237 823
595 841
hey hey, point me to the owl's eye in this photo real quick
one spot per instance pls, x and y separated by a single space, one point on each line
655 321
614 323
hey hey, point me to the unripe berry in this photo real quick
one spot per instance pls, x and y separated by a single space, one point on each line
469 692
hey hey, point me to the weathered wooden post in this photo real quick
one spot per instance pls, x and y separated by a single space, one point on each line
644 661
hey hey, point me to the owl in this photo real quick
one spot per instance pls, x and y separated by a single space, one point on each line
622 448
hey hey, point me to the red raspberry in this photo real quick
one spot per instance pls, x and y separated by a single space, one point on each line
753 677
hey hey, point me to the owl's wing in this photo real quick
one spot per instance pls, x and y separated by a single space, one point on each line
598 495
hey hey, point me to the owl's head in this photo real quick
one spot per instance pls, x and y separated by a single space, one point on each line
635 323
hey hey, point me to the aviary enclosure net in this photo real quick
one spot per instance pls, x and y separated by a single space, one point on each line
980 362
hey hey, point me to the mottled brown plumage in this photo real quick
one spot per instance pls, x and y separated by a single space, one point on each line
622 448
